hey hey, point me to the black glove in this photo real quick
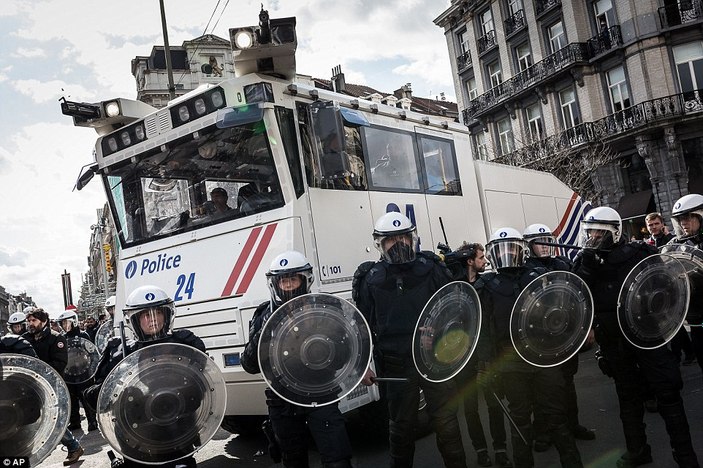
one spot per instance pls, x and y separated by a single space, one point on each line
589 259
603 364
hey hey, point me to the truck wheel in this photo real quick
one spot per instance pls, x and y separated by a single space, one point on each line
243 425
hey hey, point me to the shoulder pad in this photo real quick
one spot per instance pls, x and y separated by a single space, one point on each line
429 255
359 275
189 338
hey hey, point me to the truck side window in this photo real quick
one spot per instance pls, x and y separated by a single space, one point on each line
392 161
441 174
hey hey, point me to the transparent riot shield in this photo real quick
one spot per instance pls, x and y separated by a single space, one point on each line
83 360
161 403
692 260
551 319
447 332
653 301
34 408
103 335
314 350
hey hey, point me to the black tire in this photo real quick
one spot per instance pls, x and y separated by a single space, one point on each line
245 426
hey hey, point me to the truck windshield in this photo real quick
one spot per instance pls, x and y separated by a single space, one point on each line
201 179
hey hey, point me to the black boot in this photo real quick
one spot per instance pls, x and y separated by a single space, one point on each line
632 459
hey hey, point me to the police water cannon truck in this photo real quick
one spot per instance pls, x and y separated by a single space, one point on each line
299 168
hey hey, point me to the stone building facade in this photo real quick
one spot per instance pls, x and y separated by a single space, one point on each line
543 76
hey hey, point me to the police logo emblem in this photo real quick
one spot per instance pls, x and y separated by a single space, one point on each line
149 296
396 222
60 344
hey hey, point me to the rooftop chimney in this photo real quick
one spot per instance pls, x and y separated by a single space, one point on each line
407 89
338 84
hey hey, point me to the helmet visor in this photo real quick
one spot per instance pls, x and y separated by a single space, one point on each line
507 253
596 236
398 248
542 247
152 323
286 286
687 224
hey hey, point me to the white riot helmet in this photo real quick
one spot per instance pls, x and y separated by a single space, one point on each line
542 234
600 229
110 303
688 205
285 266
150 313
506 248
17 323
69 315
389 227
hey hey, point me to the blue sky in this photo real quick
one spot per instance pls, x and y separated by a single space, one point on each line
55 48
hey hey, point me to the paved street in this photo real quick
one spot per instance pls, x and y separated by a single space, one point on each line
598 410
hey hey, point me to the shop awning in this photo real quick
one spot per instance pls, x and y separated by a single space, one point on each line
636 205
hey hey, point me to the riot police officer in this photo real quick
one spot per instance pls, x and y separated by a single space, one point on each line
17 323
687 218
528 389
542 254
51 348
150 314
69 323
391 294
290 275
603 263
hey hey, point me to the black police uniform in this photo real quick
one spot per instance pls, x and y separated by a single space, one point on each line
76 392
695 307
529 389
112 356
290 422
468 388
391 297
569 368
15 344
605 273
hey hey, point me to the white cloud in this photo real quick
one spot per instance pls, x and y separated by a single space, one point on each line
44 91
33 52
13 258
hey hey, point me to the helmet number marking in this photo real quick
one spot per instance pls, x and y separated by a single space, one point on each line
186 286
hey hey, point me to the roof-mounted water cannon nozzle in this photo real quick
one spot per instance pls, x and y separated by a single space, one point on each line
268 48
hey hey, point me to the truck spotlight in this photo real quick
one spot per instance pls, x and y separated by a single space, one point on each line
243 39
112 109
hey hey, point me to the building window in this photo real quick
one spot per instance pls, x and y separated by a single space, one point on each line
533 115
569 110
505 136
514 6
689 65
464 42
557 38
481 146
617 86
524 56
495 74
605 17
472 89
486 19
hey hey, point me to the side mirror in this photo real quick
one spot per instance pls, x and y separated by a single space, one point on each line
86 175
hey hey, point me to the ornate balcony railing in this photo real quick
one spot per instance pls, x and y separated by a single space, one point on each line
487 41
464 60
571 54
633 118
683 12
515 23
542 6
604 41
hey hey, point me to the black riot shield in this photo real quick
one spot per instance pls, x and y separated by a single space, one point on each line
692 260
551 319
315 349
447 332
34 408
653 301
161 403
83 360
